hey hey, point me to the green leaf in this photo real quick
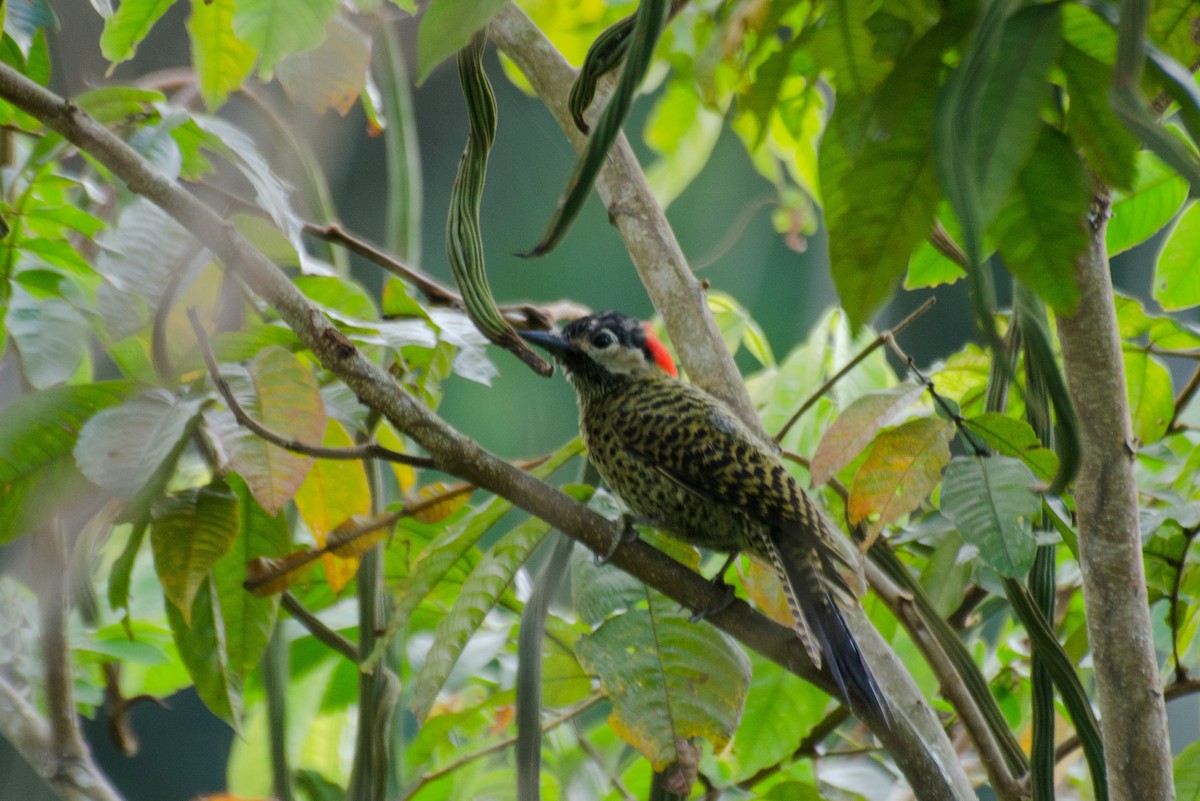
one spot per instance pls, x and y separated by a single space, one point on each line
126 29
666 677
121 448
901 469
331 75
1010 114
682 132
279 391
450 545
248 619
1157 194
1176 275
1187 773
991 502
845 45
1012 437
479 593
1151 404
1040 228
190 531
945 576
51 337
278 28
220 59
37 433
1110 149
880 209
780 710
447 27
200 639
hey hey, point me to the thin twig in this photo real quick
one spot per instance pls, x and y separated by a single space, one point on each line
541 317
339 539
882 338
466 759
369 450
1184 398
318 629
944 243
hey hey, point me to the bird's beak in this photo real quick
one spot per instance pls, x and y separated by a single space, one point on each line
549 341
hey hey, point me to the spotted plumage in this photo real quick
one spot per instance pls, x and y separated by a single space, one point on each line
680 458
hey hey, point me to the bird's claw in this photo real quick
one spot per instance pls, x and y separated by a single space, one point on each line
628 534
721 606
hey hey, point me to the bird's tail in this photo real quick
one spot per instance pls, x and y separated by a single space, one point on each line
809 581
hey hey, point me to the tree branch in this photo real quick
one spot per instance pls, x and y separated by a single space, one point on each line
1136 747
914 738
643 226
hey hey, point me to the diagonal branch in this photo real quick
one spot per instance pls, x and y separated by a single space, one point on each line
914 738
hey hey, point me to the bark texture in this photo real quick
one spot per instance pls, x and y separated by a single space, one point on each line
1132 709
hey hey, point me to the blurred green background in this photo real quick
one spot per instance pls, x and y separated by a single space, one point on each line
722 222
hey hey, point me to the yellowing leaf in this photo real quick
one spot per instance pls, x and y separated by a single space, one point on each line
277 390
355 537
452 501
335 490
406 476
854 429
332 74
902 467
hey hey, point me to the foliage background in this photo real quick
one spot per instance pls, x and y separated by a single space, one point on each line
521 415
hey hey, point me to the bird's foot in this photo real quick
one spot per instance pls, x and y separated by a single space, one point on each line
628 534
720 606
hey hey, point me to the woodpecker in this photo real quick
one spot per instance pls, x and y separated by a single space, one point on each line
683 461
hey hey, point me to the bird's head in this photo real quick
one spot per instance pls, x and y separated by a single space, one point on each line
605 349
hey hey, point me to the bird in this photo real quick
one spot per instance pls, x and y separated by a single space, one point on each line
683 461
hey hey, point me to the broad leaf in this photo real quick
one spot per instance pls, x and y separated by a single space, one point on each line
901 469
1010 113
992 503
1187 773
666 678
278 28
479 593
879 209
1177 274
334 491
332 75
200 639
1157 195
1151 403
126 29
51 337
1040 228
845 45
447 27
221 59
440 555
122 448
1110 149
855 427
1012 437
37 434
277 390
780 710
248 619
190 531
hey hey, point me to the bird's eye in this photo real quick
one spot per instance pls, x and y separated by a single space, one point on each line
604 339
